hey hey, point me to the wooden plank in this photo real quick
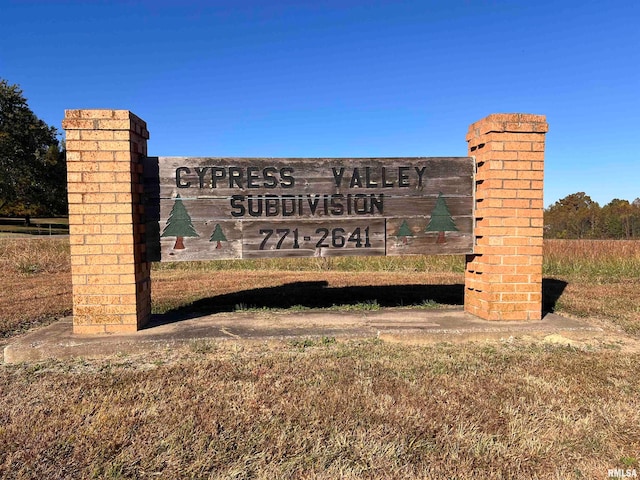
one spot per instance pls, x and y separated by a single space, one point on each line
202 177
211 240
419 241
314 238
311 206
406 198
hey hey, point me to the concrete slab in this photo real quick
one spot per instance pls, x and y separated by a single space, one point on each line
413 326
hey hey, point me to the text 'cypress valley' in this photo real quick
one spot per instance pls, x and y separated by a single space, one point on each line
306 204
284 177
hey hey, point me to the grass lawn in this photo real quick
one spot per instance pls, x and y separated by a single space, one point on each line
323 408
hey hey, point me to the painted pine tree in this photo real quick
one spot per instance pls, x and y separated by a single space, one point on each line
179 224
218 236
404 231
441 220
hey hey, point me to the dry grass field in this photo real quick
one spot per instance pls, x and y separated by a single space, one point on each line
603 279
321 408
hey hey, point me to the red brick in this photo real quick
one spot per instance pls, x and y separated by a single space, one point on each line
102 259
501 269
530 137
517 165
505 193
82 145
98 177
84 187
537 222
532 287
518 146
516 260
503 174
97 156
499 251
114 187
72 157
493 231
121 134
535 278
95 135
83 209
530 175
115 145
532 194
111 124
82 167
528 269
515 241
126 259
518 203
101 239
99 198
114 166
120 249
529 251
505 156
100 113
514 297
528 231
120 269
78 124
537 156
122 155
86 229
116 228
114 207
517 184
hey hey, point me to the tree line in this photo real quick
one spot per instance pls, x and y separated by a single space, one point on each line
578 216
32 160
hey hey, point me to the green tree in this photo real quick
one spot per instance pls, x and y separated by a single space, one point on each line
404 231
32 165
218 236
441 220
635 220
574 216
179 224
618 219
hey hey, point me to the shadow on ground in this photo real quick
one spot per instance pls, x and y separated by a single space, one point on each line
551 291
316 295
320 295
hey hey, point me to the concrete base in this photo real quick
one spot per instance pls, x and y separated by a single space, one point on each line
412 326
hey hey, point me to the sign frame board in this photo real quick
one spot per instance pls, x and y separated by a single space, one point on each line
215 208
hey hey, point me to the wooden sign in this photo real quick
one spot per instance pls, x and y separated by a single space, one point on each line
225 208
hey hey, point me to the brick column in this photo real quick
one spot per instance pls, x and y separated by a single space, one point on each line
503 278
110 274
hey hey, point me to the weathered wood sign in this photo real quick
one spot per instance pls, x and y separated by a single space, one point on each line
225 208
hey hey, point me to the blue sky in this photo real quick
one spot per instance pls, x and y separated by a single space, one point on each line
344 78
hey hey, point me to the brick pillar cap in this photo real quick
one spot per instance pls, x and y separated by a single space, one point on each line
104 119
99 113
509 122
